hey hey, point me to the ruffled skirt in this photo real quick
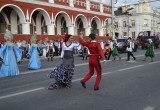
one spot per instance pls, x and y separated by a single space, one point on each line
62 75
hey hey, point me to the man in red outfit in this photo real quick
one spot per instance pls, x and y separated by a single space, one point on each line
94 61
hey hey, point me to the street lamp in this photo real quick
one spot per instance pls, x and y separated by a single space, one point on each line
112 4
128 23
128 14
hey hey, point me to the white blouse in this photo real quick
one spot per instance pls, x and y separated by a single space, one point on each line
70 47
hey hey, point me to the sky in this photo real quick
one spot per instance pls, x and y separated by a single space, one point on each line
122 2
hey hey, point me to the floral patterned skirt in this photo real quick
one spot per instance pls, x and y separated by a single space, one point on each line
62 75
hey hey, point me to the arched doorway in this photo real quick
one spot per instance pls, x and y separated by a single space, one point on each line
80 27
64 28
14 18
38 24
3 24
94 28
80 24
62 22
61 25
40 19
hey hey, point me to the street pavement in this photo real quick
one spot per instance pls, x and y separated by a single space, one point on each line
125 85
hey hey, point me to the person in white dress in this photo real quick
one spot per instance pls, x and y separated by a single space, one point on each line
63 73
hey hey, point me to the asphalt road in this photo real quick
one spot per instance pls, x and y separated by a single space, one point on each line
132 85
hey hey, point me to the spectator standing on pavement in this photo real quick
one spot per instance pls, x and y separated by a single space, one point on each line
94 61
63 73
10 55
34 51
111 48
23 47
85 52
150 50
106 50
56 46
130 46
50 50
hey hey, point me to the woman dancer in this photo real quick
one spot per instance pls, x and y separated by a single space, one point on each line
64 72
150 50
34 51
10 55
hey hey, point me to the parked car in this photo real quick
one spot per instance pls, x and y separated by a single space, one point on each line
143 41
122 44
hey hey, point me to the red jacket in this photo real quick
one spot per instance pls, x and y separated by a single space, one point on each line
94 47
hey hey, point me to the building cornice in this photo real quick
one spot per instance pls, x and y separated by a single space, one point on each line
64 7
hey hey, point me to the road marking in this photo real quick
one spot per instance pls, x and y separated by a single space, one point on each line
20 93
149 108
92 76
37 89
82 64
33 90
154 62
130 68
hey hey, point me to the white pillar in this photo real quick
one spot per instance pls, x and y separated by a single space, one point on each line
26 28
51 29
51 1
87 4
101 7
101 32
87 31
71 3
71 30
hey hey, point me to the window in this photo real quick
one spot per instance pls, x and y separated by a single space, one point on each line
124 24
133 34
145 23
124 34
116 24
133 23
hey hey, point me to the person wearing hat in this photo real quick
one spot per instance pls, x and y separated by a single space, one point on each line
63 73
10 55
34 51
150 50
94 61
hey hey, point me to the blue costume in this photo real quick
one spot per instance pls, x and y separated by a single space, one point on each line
34 51
10 55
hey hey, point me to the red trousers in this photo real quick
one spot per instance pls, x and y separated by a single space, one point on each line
94 63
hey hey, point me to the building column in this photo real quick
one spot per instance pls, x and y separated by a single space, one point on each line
71 30
101 32
101 7
71 3
87 31
87 4
51 1
26 28
51 29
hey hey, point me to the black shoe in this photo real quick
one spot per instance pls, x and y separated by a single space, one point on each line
134 58
51 88
96 89
83 84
